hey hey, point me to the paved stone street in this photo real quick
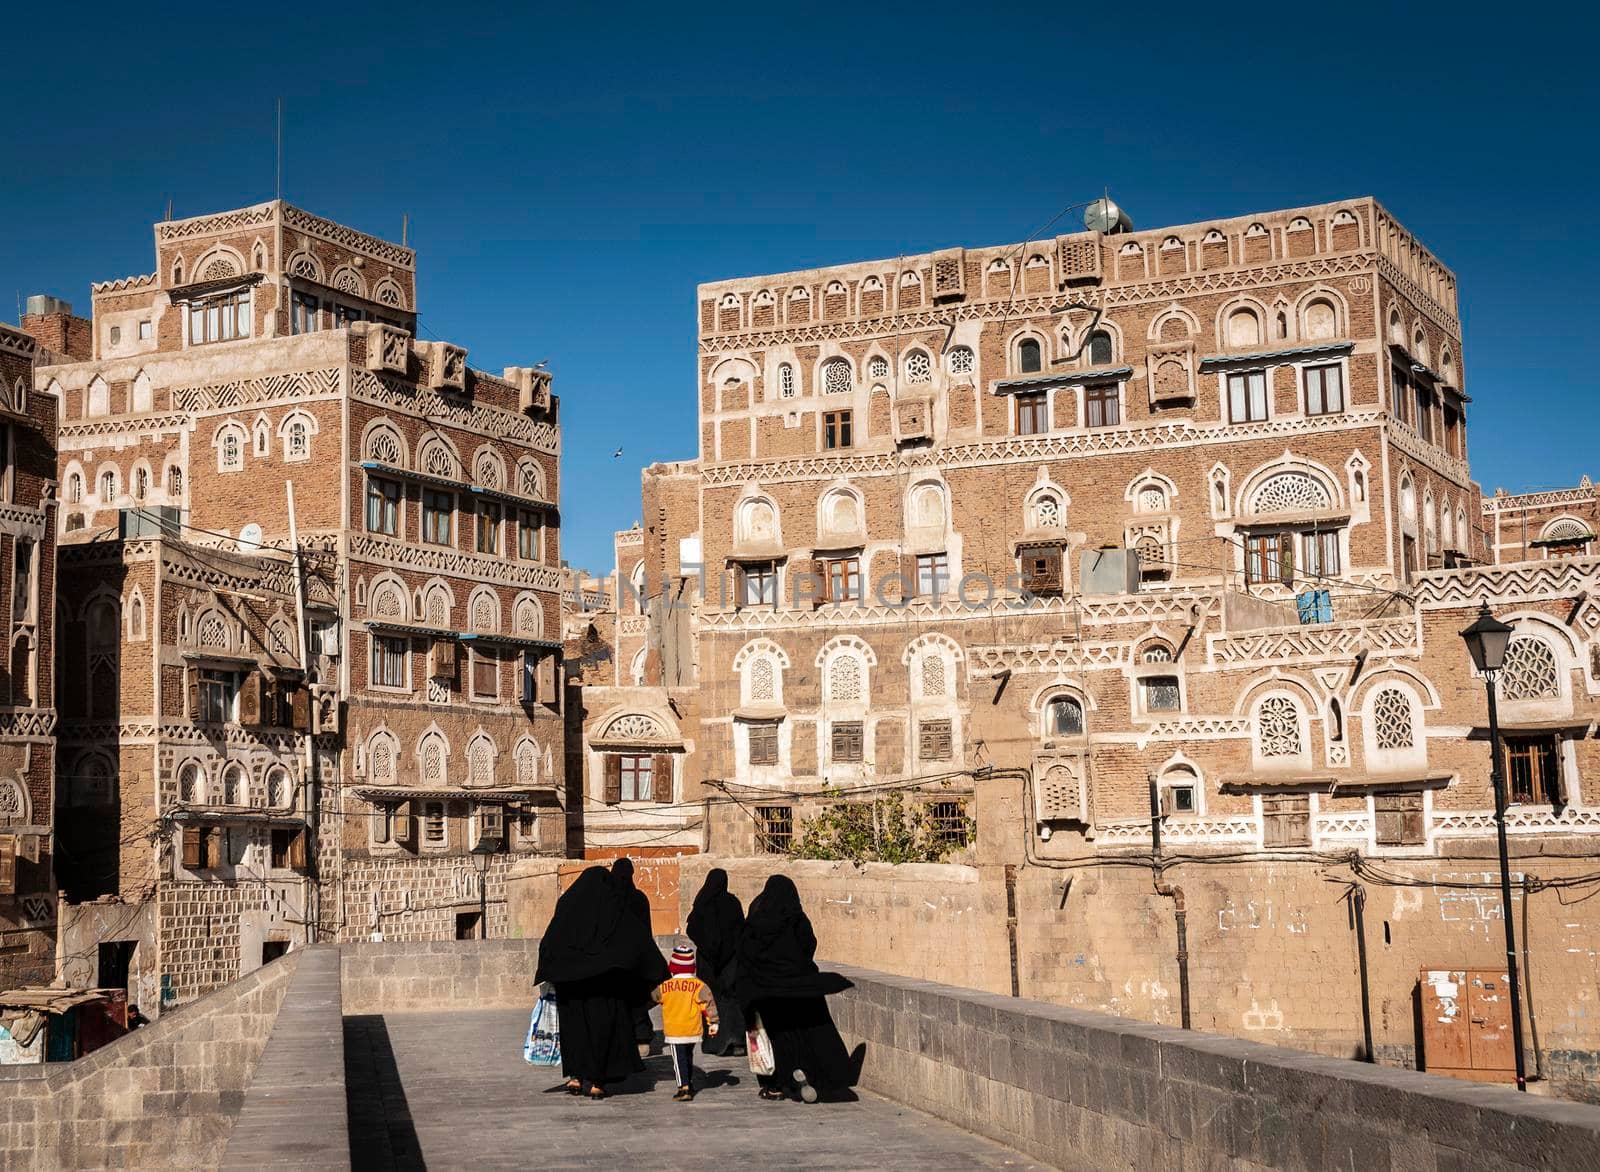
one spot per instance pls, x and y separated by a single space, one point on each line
450 1090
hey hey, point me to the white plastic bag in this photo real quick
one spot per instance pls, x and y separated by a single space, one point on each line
762 1059
542 1046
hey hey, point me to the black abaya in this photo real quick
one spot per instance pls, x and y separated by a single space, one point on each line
638 903
603 962
778 980
715 923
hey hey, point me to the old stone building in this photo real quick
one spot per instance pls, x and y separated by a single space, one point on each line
1556 523
28 845
319 614
1171 531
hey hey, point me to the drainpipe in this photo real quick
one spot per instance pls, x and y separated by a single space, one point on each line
1527 982
1175 893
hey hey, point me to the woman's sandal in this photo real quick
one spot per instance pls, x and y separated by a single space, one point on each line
596 1094
573 1086
772 1095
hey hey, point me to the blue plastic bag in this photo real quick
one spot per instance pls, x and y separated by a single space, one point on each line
543 1044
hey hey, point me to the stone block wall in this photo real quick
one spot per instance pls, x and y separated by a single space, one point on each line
1082 1090
438 975
162 1097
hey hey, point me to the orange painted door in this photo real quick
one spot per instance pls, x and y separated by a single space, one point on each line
1489 1018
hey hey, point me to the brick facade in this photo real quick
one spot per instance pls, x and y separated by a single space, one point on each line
28 844
271 353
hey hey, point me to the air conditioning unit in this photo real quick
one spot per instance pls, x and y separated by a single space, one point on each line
1111 570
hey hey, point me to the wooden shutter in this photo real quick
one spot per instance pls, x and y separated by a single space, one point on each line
8 865
193 847
191 692
738 584
300 708
613 779
402 824
250 698
1398 819
297 850
908 576
545 683
1286 820
661 777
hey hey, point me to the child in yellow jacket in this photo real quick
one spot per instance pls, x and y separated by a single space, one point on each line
686 1002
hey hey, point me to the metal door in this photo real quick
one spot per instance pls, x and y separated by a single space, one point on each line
1466 1024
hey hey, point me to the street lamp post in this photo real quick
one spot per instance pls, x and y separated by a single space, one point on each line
484 850
1486 641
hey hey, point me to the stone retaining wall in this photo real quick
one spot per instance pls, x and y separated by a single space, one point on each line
437 975
164 1096
1082 1090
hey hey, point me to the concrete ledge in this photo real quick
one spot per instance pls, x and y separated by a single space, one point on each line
402 976
1078 1089
294 1110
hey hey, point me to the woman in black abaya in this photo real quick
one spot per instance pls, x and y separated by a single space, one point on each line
638 903
715 924
778 980
602 961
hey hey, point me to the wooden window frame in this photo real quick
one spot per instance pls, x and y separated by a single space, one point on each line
438 517
763 741
1102 405
1534 770
1285 820
529 536
936 740
390 651
774 829
933 574
841 578
1042 570
1147 689
217 686
304 312
1318 380
1031 410
637 777
218 318
838 430
485 669
1321 557
486 539
1397 819
1400 394
757 579
847 742
384 498
1269 558
1242 393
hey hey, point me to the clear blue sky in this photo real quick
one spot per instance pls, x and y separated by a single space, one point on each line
573 172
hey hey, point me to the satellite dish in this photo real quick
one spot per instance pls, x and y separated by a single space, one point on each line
250 538
1105 216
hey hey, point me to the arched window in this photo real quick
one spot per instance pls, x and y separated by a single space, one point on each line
141 483
174 481
1150 498
836 379
878 367
108 486
763 680
233 786
1290 492
1029 357
280 791
1045 512
75 488
1318 322
846 679
190 790
298 446
961 360
1099 349
919 367
1063 717
1392 727
935 682
1278 728
1530 671
99 397
263 438
786 388
230 451
1244 328
927 507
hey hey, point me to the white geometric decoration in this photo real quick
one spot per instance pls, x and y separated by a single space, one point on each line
1391 719
1530 671
933 675
844 678
1290 492
836 376
1278 727
635 727
763 683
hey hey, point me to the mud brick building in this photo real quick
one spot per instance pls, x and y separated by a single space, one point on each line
1166 530
306 710
1557 523
28 847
